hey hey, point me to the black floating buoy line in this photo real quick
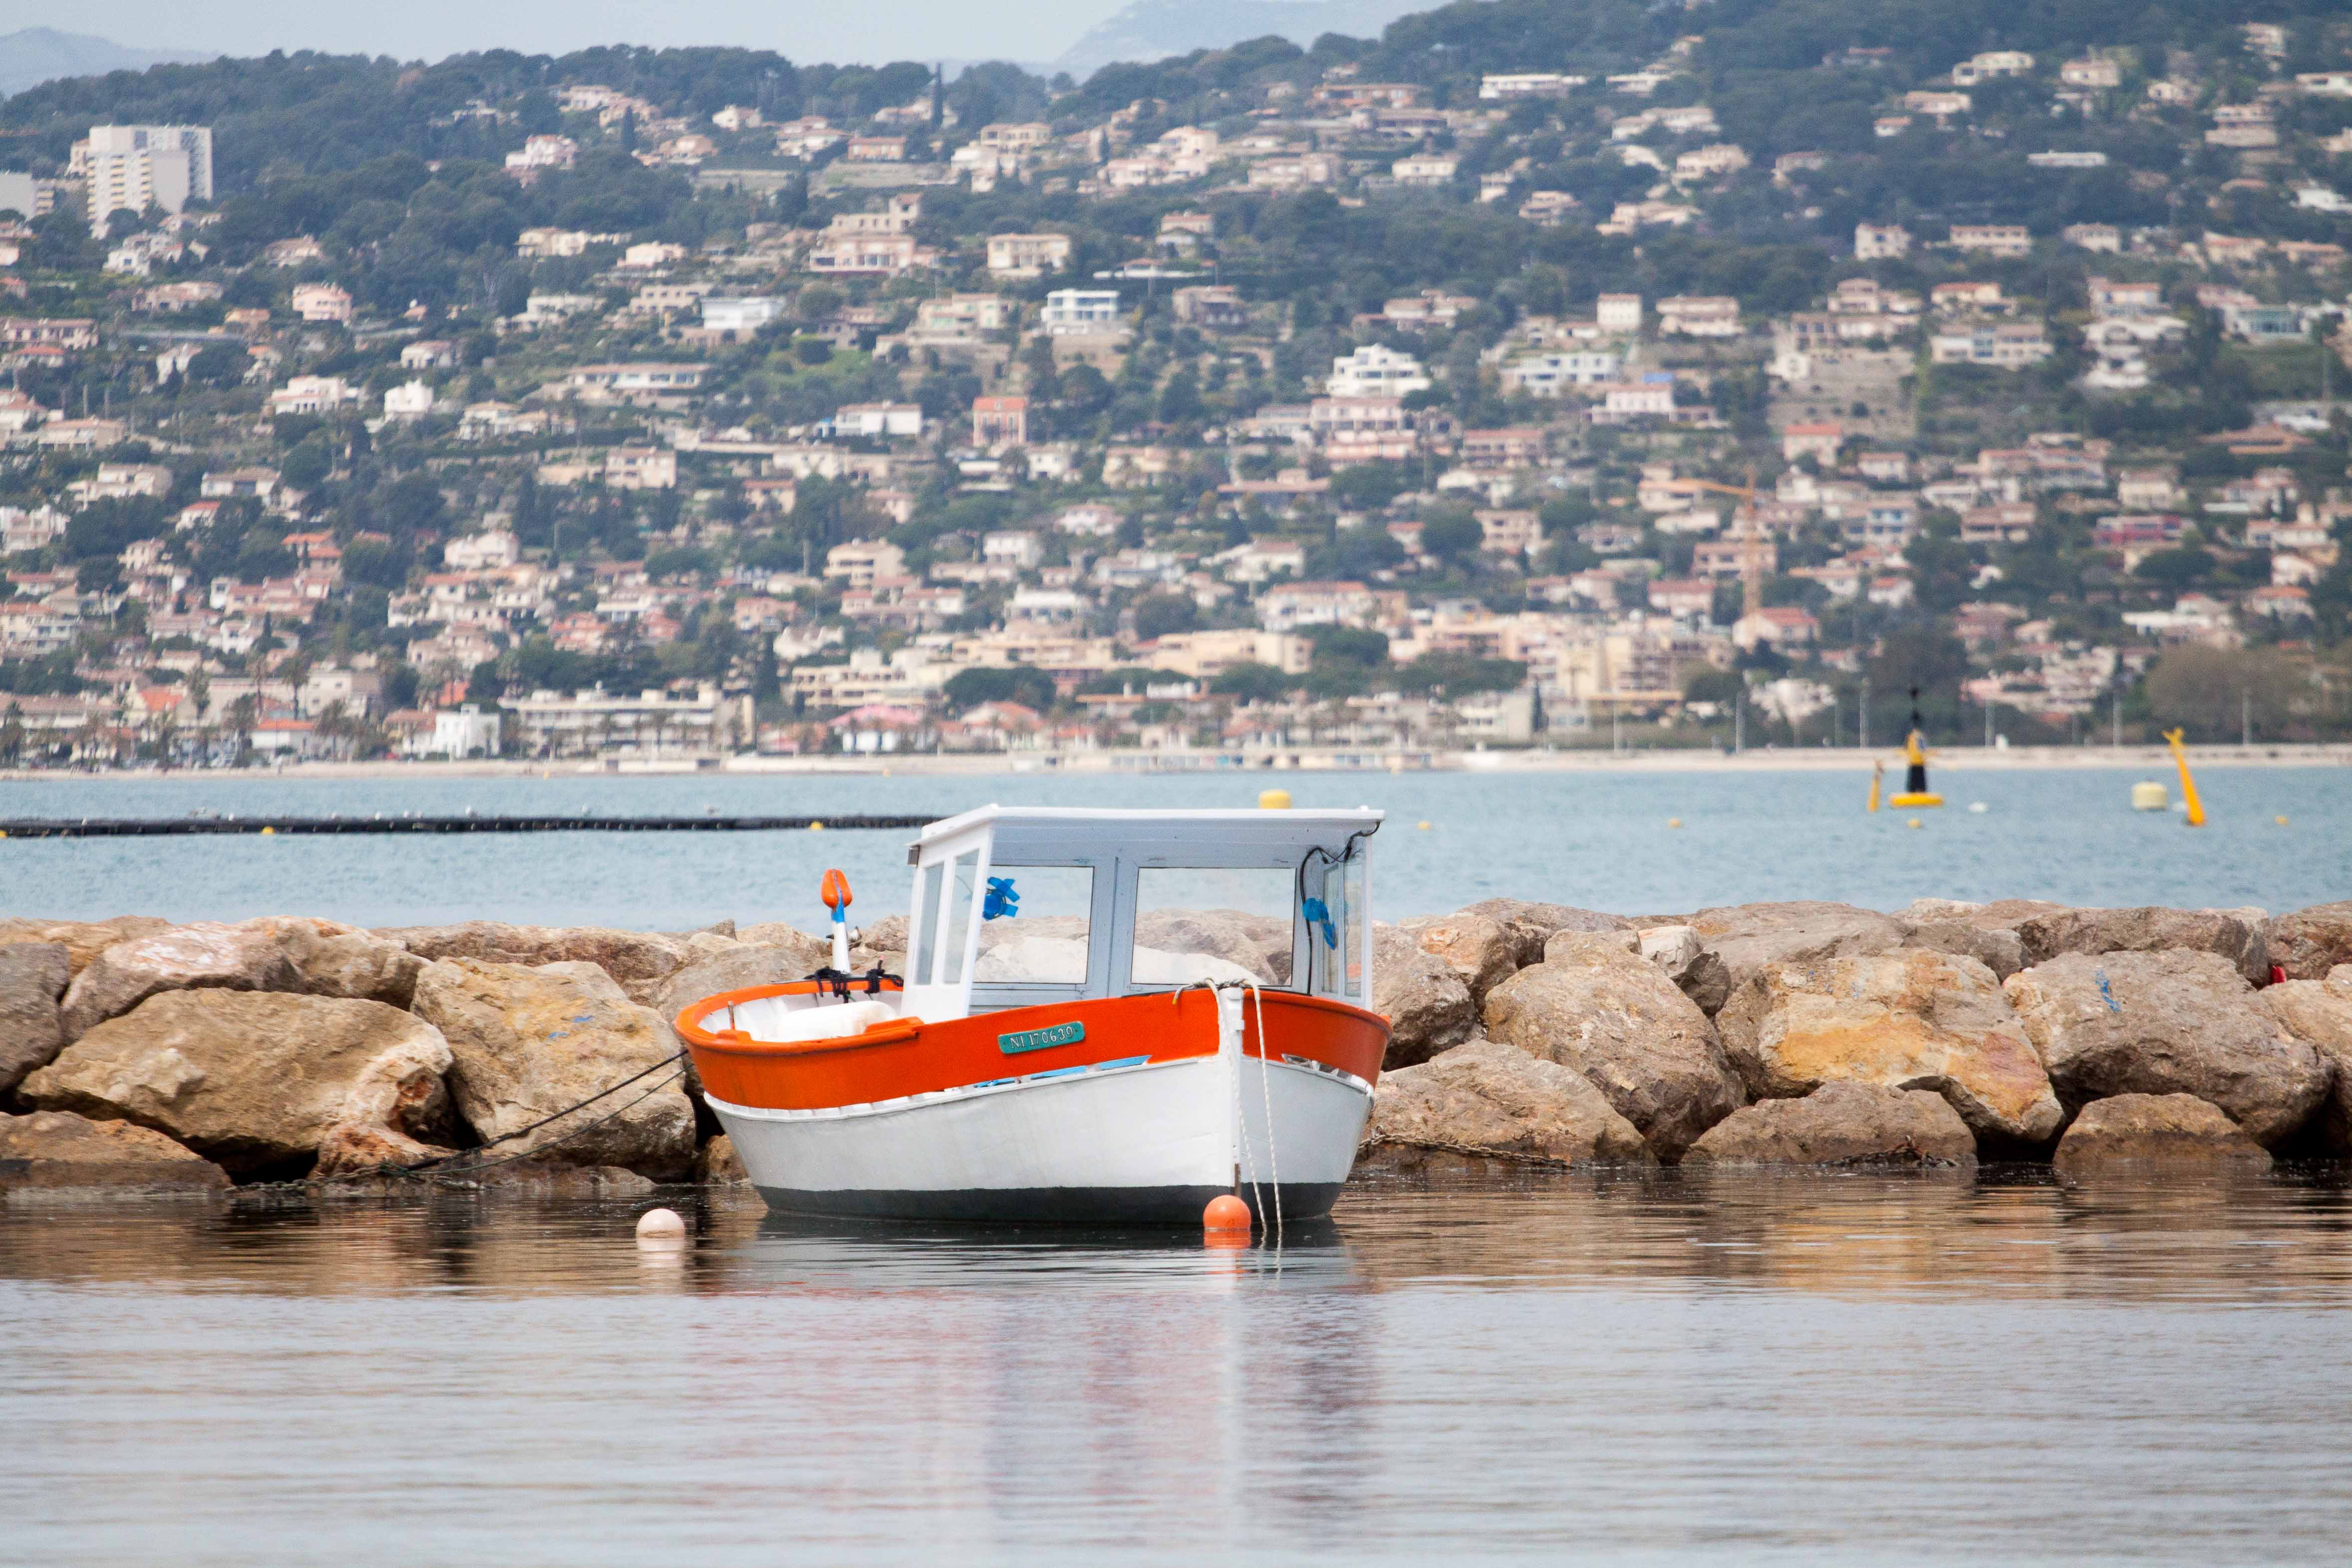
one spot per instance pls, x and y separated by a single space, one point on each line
214 826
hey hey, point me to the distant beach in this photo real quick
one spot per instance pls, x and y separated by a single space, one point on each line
1301 758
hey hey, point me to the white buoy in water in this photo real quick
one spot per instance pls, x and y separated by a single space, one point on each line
1978 806
2149 795
661 1227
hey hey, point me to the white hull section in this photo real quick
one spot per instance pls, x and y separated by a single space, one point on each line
1141 1141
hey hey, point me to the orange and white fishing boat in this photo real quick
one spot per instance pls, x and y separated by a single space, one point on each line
1104 1015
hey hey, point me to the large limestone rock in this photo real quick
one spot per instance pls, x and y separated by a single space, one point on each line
254 1080
527 1042
2127 1134
1616 1018
1985 932
2309 942
1908 1019
61 1153
1474 946
1842 1124
206 955
809 953
718 1165
2238 935
639 962
2173 1022
1491 1101
33 976
318 958
1427 1004
82 940
1259 943
2320 1012
1530 925
1744 938
747 965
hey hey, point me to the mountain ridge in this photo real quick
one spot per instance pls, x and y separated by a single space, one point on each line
1147 30
31 56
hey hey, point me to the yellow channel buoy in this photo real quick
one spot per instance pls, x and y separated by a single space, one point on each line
1913 823
2280 820
816 827
1424 826
1273 800
268 831
1673 822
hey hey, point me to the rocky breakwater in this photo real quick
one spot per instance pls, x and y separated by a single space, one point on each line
140 1055
2141 1040
135 1053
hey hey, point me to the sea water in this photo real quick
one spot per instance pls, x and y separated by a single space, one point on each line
1598 839
1669 1369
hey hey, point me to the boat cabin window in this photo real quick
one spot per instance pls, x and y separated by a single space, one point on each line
1335 942
1035 922
1211 922
1030 907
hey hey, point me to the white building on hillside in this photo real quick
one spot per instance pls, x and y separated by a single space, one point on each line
1373 371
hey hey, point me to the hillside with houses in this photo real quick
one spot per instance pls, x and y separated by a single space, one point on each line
1541 374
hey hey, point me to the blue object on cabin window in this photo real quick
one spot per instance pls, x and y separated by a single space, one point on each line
1319 913
1002 901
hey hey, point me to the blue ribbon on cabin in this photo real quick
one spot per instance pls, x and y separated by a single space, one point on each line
1001 901
1319 913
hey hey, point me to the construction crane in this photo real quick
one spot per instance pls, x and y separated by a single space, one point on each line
1751 560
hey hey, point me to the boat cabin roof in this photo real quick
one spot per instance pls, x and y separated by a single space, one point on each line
1055 832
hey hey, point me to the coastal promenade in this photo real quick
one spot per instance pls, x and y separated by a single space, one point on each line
2155 760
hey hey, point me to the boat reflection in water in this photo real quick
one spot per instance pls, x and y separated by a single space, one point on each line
1857 1369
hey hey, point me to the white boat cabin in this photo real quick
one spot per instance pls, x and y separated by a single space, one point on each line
1021 906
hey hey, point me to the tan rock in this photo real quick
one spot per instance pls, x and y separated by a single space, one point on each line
639 962
205 955
718 1165
2171 1022
2127 1134
2320 1014
1985 932
1843 1124
2238 935
82 940
1474 947
253 1079
1908 1019
33 976
313 957
350 1149
1427 1004
1491 1101
808 953
528 1042
1617 1019
1259 943
748 965
1530 925
57 1152
2309 942
1744 938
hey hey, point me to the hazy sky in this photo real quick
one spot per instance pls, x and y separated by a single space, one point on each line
428 29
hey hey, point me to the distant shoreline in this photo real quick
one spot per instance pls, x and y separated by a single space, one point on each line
2156 760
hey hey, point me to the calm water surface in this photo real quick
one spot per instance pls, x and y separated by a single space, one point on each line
1806 1370
1592 838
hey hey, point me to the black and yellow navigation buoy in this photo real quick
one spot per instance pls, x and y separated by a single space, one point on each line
1915 792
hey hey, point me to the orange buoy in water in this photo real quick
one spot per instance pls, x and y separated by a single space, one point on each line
1226 1221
